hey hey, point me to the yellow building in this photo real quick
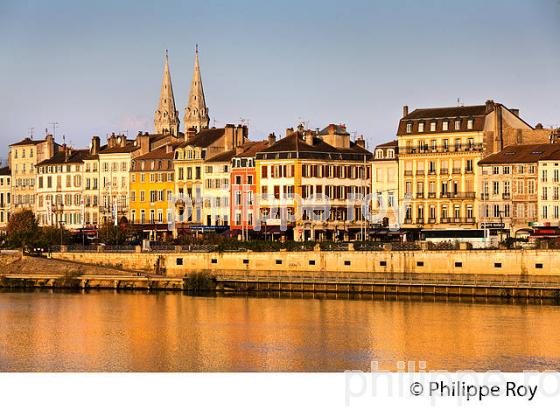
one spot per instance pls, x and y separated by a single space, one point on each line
151 192
5 197
439 149
310 184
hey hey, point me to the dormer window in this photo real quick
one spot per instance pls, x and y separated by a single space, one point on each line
445 125
420 127
379 154
433 126
390 153
470 123
457 125
409 128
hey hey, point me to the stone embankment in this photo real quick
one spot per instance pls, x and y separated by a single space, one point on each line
501 273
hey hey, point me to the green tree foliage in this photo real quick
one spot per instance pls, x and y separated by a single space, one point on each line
22 230
109 234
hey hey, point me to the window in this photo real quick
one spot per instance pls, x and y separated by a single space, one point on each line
419 263
346 263
179 261
433 126
408 128
245 261
420 127
457 124
312 262
382 263
538 265
445 126
470 123
498 264
279 261
458 264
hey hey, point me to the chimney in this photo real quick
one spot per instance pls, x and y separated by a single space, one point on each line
190 134
289 131
111 141
143 141
229 137
360 142
271 139
332 129
50 146
95 145
539 126
489 106
404 110
515 111
308 135
67 153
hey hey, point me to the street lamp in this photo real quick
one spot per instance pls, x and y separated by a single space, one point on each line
59 212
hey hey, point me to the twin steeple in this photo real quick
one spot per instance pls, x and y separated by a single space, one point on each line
196 113
166 119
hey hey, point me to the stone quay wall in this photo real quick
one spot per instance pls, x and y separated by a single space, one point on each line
524 265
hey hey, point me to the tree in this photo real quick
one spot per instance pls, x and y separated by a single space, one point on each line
51 235
109 234
22 230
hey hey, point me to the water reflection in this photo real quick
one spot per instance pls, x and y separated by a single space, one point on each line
110 331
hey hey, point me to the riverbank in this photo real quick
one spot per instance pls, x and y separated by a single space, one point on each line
362 273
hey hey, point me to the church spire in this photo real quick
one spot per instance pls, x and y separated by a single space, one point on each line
196 112
166 119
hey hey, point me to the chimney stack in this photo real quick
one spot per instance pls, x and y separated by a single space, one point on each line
404 110
308 135
489 106
271 139
190 134
95 145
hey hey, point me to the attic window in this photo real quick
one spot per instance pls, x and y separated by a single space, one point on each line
445 125
470 123
409 128
432 126
457 124
420 127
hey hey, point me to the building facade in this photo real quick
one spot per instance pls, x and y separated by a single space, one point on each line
59 183
439 149
510 187
244 189
151 192
5 197
385 174
308 181
23 157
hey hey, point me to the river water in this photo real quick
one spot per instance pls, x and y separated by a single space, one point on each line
110 331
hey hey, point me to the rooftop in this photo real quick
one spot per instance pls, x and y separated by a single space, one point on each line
528 153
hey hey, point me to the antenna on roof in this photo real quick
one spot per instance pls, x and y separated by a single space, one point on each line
54 124
31 132
460 102
245 121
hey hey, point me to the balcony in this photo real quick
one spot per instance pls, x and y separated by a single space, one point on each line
420 195
444 171
445 220
456 170
420 221
420 172
431 220
458 195
407 173
432 172
431 194
469 171
442 148
506 195
484 196
408 221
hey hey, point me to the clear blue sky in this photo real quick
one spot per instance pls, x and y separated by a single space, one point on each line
96 68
